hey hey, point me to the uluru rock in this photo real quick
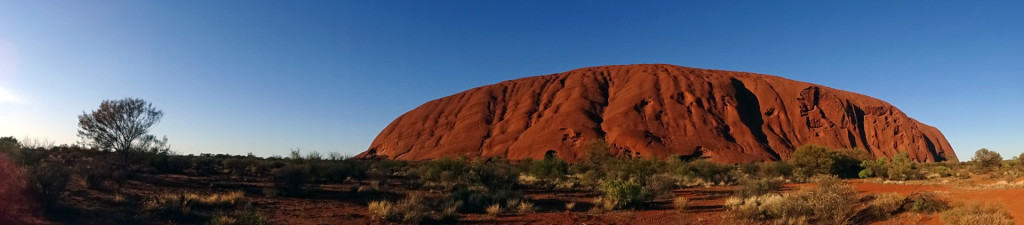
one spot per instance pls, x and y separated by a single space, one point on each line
655 110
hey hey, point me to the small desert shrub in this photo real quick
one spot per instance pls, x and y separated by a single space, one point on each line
602 203
846 163
494 210
450 211
941 171
237 166
624 194
205 165
570 205
758 186
900 167
252 218
96 176
810 160
977 214
760 207
174 206
680 203
927 202
443 174
777 169
48 181
222 220
549 170
412 209
289 179
885 205
708 171
661 185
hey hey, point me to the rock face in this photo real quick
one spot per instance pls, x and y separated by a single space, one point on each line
654 110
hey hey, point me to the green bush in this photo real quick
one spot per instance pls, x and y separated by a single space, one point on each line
986 160
549 169
776 169
846 163
810 160
625 194
707 171
900 167
443 174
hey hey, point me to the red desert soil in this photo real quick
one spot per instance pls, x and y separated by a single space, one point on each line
336 204
654 110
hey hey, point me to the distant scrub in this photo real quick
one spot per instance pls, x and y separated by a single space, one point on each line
811 160
900 167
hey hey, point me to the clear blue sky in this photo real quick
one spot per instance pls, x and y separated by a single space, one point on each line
265 77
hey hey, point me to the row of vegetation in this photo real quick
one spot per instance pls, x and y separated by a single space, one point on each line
442 189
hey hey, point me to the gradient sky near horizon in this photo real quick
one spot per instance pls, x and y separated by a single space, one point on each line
269 76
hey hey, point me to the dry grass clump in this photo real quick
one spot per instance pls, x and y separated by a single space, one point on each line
526 207
494 210
183 203
885 205
520 206
217 200
977 213
411 209
379 210
680 203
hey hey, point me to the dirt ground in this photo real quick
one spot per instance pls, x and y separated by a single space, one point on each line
337 204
